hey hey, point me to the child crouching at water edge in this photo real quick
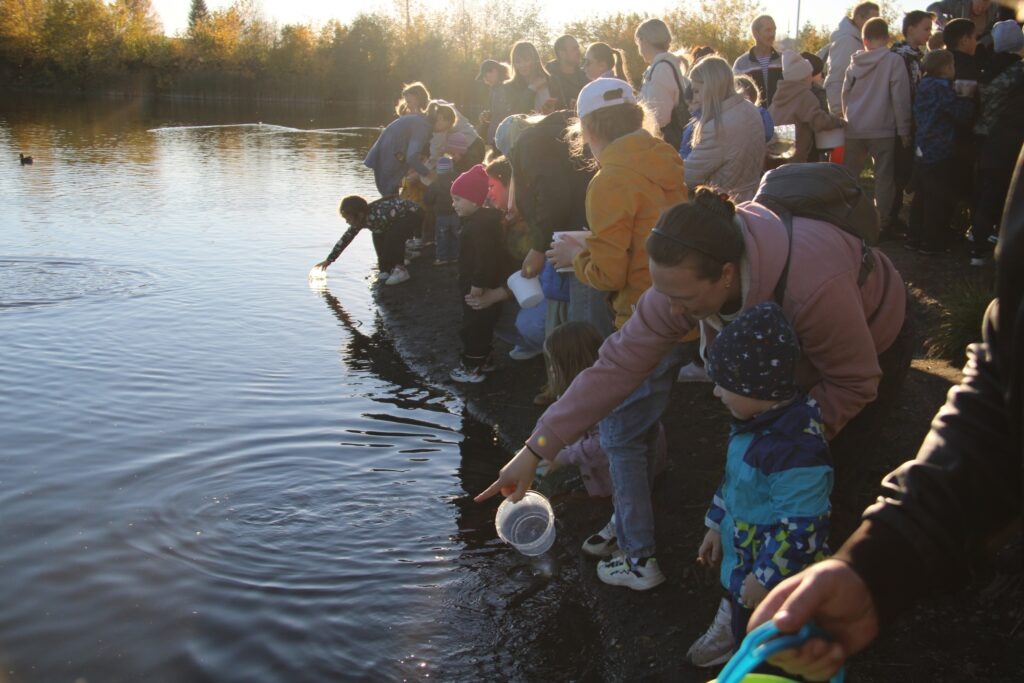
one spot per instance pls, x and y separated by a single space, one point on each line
482 266
391 220
769 518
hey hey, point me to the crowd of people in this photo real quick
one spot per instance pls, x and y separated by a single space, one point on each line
665 251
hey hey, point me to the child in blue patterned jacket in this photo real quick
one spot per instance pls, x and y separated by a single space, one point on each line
770 516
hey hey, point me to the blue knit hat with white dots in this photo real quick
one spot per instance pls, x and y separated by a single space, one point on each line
756 355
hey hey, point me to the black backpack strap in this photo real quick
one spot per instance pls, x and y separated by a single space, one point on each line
867 263
787 220
675 75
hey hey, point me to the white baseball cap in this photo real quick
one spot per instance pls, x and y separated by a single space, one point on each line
603 92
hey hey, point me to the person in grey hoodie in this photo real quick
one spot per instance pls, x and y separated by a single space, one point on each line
400 147
876 106
844 41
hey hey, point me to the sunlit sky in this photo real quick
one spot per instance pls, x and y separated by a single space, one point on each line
819 12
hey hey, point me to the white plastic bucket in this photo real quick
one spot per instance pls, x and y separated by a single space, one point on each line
830 139
579 235
529 525
527 291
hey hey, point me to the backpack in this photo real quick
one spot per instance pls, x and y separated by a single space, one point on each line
825 192
673 130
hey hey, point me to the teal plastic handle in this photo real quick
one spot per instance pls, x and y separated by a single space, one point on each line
763 642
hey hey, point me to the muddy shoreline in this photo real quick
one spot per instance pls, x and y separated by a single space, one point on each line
566 625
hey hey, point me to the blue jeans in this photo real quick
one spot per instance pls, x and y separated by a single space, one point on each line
628 437
522 327
590 305
446 238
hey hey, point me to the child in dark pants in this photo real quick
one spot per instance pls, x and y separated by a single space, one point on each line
938 110
391 220
769 518
481 266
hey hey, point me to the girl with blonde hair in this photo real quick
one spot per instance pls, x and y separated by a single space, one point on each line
728 140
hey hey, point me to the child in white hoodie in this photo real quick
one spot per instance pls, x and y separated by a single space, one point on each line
876 106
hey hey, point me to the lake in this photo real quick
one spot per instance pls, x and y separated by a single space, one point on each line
211 469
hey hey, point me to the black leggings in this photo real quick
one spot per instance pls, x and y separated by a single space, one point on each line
390 244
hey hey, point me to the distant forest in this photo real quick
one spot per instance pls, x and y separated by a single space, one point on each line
89 46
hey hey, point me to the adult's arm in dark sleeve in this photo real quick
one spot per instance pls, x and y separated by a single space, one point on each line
553 209
963 487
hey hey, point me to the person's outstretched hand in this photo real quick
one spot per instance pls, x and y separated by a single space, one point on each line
515 478
833 595
532 264
322 265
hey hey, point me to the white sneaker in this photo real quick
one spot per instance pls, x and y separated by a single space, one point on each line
716 646
603 544
398 276
620 571
464 375
519 353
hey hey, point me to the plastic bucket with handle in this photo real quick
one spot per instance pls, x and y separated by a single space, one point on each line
760 644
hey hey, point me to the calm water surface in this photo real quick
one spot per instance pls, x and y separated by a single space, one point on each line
210 470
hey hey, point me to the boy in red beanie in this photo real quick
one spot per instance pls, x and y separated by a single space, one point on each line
481 266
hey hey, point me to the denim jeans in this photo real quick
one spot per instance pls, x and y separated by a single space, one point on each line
522 327
446 238
628 436
590 305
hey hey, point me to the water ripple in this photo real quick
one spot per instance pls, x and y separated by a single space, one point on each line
34 282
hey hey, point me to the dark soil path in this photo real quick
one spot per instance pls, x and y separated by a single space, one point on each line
568 626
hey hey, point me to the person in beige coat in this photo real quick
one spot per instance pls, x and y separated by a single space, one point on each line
794 103
728 141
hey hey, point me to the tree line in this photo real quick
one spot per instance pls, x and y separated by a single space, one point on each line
90 46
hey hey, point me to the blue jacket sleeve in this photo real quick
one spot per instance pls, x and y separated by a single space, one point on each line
716 513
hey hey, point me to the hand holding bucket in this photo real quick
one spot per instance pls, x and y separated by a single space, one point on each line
527 291
760 644
574 242
529 525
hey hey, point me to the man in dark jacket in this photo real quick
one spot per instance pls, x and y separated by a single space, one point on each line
567 77
963 489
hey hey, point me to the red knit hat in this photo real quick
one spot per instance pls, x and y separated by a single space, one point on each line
472 185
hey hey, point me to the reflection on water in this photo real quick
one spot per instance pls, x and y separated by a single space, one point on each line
208 471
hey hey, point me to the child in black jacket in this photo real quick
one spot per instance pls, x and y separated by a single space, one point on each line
482 265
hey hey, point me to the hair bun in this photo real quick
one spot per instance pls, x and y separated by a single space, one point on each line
712 200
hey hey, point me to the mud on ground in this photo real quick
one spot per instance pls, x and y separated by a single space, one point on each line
563 624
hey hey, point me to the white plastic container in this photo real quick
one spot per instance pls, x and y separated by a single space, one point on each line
579 235
830 139
527 291
529 525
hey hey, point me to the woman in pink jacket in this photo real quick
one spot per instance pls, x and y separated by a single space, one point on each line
709 262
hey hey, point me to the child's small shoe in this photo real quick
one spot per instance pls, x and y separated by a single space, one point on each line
620 570
464 375
716 646
521 353
398 276
602 544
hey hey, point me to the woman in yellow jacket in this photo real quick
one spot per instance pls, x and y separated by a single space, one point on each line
639 177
